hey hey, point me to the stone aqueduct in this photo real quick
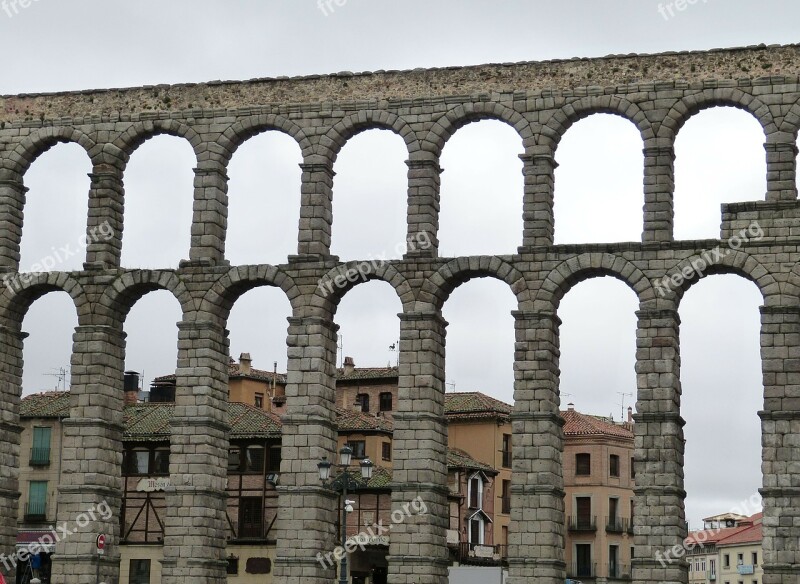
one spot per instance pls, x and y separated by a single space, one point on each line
540 101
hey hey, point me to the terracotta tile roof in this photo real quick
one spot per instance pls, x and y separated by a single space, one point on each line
474 405
457 458
353 420
578 424
234 370
51 404
150 421
368 373
750 532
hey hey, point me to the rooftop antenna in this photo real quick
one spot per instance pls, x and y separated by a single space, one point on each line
451 385
274 375
623 395
340 346
395 347
61 378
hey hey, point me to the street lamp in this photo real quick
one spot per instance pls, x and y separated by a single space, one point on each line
343 482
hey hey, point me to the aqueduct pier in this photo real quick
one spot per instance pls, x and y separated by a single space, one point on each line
657 93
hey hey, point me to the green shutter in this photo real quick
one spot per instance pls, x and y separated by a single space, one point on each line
37 498
40 453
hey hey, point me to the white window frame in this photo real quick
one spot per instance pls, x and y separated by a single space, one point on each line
478 476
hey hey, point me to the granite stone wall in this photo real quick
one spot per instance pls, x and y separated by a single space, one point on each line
540 101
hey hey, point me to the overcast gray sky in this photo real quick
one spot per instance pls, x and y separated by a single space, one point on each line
53 46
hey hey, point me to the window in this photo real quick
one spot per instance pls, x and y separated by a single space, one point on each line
507 450
254 459
233 565
726 561
583 560
386 451
583 512
40 453
583 464
712 566
506 497
251 517
234 460
613 465
476 529
385 403
613 511
37 499
755 558
136 462
359 448
362 401
739 559
139 572
161 461
613 561
259 401
476 492
275 458
633 468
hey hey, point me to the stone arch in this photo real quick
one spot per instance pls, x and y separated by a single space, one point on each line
139 132
121 295
349 127
464 114
791 121
565 276
738 263
249 127
340 280
40 141
563 119
21 291
438 288
241 279
709 98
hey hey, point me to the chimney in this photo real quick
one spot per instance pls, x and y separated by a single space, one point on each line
630 415
131 388
570 407
245 364
349 365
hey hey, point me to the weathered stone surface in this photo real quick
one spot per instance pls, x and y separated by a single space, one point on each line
541 101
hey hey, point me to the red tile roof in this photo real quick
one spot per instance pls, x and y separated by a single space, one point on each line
368 373
578 424
235 370
354 421
474 405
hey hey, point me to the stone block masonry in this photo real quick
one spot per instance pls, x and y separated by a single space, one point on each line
657 93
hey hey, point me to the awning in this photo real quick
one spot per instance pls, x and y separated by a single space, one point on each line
28 538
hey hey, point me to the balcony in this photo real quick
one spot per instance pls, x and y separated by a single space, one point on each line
36 512
581 570
488 555
40 456
617 525
712 576
619 571
582 523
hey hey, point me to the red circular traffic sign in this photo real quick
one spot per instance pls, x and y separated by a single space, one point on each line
101 542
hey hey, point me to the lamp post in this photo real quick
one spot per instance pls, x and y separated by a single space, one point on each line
343 482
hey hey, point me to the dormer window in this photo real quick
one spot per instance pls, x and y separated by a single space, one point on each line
362 402
475 494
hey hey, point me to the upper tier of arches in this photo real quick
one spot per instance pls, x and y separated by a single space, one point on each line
424 135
